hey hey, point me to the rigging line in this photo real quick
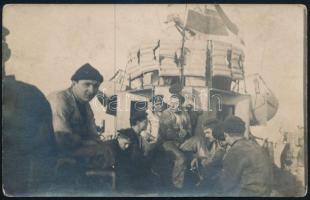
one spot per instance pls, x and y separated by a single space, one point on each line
114 84
264 83
184 18
124 75
182 49
114 7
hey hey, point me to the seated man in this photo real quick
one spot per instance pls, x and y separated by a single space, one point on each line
109 155
136 167
247 170
174 129
29 148
73 119
151 134
207 151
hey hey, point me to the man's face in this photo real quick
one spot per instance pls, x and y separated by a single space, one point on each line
85 90
223 143
228 139
174 103
208 134
124 143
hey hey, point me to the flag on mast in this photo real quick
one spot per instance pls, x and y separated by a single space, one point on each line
212 22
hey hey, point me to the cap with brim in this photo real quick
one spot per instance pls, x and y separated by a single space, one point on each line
234 124
123 133
210 121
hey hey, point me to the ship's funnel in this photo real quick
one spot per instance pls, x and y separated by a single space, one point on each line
264 104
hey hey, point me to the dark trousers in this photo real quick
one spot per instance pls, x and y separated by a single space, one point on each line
179 165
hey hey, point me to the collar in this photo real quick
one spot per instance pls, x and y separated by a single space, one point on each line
134 130
75 98
176 112
236 142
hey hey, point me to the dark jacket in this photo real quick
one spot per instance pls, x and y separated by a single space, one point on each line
29 147
106 155
247 171
133 167
135 151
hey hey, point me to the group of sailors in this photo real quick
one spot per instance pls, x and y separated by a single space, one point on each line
40 134
244 169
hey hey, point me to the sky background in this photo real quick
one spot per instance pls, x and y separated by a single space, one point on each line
49 42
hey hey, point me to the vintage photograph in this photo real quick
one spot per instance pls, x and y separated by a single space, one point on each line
158 100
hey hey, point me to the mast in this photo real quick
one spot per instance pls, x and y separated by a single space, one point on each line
181 27
182 59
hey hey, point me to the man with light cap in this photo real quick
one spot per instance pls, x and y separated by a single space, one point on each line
73 120
246 168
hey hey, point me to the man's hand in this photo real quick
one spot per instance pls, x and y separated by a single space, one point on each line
151 139
194 163
205 162
182 133
148 137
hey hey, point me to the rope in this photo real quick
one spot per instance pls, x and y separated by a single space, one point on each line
182 49
124 75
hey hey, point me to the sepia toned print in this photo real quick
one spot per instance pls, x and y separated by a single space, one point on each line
154 100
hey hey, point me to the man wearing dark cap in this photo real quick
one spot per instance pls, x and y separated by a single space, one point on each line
28 142
138 123
174 129
74 124
134 172
73 119
246 168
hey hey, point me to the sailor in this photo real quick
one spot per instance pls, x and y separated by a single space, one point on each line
151 134
73 119
134 173
28 150
208 150
247 171
174 129
193 115
110 155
